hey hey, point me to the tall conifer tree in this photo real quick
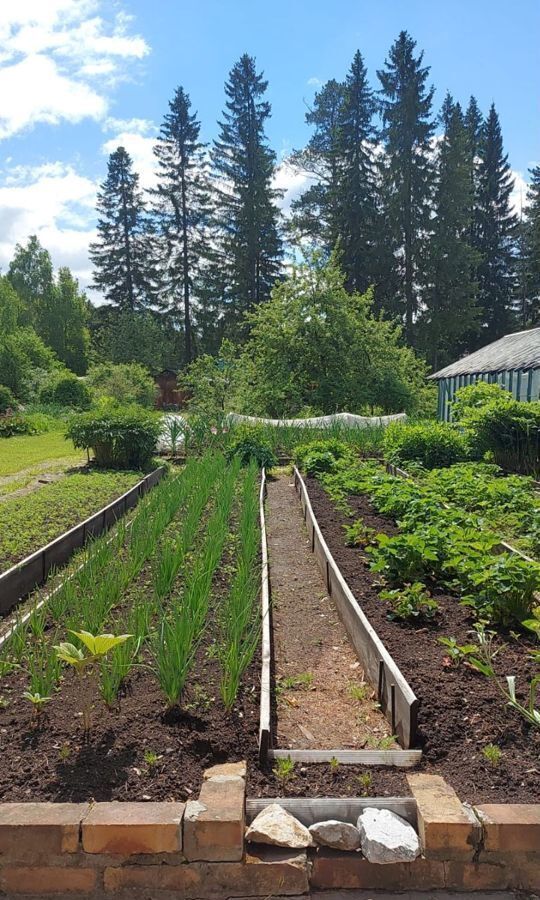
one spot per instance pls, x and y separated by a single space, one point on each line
407 170
357 188
450 311
249 249
118 255
181 210
316 213
529 263
497 234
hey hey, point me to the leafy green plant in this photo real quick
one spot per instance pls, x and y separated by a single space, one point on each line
492 753
457 653
410 602
334 765
38 702
533 624
249 447
284 769
358 534
433 444
294 682
120 438
365 780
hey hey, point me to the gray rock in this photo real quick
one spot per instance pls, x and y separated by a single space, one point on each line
274 825
338 835
386 837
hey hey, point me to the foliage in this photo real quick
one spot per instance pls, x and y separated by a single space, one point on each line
313 344
126 383
209 380
21 353
410 602
433 444
359 534
121 438
509 430
322 455
475 396
66 390
249 445
146 337
16 424
7 400
30 521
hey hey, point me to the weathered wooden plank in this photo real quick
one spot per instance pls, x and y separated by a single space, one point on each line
401 758
310 810
266 648
396 697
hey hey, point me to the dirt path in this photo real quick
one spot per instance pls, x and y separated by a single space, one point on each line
322 700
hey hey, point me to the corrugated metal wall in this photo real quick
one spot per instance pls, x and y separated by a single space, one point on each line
524 384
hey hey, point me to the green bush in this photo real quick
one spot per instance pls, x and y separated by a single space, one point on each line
510 431
21 354
474 397
433 444
127 383
7 400
248 444
320 456
19 424
67 390
120 438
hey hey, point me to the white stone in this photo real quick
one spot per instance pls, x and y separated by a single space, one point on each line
274 825
386 837
338 835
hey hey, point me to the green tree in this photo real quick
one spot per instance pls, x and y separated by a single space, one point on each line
24 358
209 380
358 229
65 329
407 172
315 345
181 208
119 254
316 213
147 338
249 250
126 383
31 274
529 263
10 307
450 311
497 233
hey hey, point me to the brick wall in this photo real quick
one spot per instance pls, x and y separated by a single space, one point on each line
196 850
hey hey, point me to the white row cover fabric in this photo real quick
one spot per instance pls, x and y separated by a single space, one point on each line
347 419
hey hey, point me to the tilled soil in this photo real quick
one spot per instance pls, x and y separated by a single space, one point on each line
461 710
322 699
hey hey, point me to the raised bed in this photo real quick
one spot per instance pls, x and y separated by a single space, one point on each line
395 696
24 577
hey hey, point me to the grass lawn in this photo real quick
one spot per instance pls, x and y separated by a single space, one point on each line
26 450
30 521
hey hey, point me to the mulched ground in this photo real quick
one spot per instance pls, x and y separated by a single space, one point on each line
461 710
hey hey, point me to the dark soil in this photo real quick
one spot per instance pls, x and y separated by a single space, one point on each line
461 710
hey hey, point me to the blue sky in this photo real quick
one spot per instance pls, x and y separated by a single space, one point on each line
77 77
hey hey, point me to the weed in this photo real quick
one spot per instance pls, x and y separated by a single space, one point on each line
492 753
365 781
284 769
359 692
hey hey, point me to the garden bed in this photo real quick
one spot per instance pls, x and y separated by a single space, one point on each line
461 712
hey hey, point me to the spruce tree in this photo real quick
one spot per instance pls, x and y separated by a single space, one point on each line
529 263
316 213
407 171
358 220
119 254
496 235
180 210
249 246
450 311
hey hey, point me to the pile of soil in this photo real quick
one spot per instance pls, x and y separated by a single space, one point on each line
461 711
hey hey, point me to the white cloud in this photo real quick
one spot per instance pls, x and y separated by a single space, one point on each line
57 204
140 148
314 82
60 58
518 197
291 182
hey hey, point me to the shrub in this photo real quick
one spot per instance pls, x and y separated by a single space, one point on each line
320 456
7 400
127 383
21 353
248 444
510 430
476 396
433 444
11 425
67 390
120 438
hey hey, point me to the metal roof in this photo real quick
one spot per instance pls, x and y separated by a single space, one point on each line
514 351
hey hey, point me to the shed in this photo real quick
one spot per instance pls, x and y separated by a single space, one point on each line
513 362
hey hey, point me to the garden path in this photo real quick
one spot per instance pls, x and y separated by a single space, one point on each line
323 702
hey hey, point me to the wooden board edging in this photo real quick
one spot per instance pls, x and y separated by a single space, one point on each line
309 810
404 759
396 697
25 576
266 646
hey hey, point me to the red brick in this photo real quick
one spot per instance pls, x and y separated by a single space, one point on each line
268 873
129 828
47 880
40 830
333 870
214 824
511 827
468 876
447 829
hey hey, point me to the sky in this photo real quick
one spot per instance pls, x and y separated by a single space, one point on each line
80 77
